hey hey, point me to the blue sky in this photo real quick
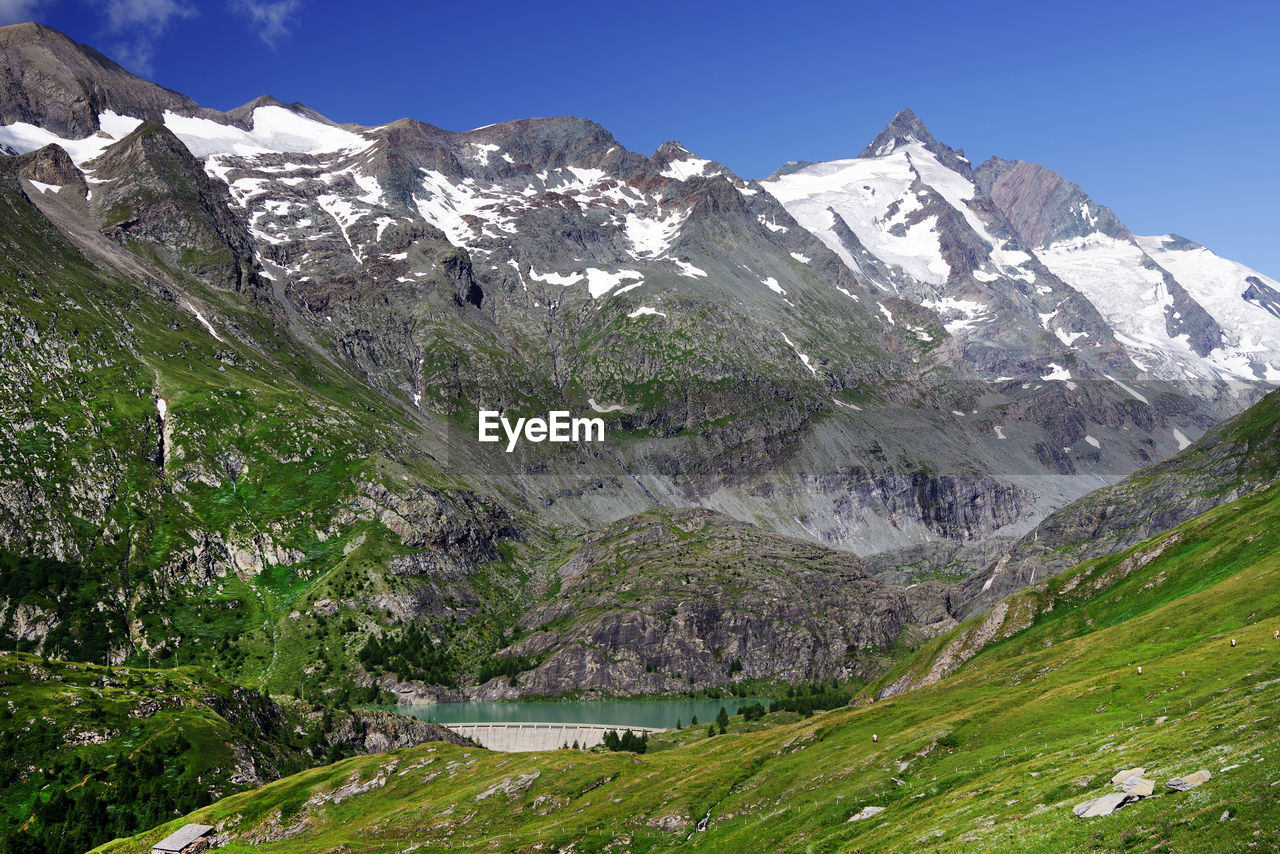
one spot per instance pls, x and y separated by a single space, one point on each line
1167 112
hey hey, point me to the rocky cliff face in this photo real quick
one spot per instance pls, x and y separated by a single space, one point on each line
679 601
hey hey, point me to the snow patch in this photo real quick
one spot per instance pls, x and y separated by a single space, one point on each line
205 323
563 279
483 151
653 237
772 226
803 358
958 315
1057 372
275 129
1133 393
599 282
23 137
688 270
686 168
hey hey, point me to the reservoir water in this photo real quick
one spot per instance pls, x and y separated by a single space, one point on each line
659 714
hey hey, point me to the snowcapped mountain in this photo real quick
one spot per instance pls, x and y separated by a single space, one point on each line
1011 247
245 354
868 352
1194 320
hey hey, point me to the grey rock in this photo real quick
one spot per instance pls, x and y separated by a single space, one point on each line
1121 776
1263 295
1182 784
1138 787
1104 805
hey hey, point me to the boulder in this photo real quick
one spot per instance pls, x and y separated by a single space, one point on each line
1118 779
1105 805
867 812
1190 781
1139 787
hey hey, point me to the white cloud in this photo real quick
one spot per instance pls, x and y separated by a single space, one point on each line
17 11
140 24
272 19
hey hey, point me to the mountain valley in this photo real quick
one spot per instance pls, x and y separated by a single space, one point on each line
913 428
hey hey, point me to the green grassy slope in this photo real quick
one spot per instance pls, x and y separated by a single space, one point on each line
989 759
89 752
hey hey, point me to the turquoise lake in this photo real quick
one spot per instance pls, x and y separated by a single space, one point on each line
662 714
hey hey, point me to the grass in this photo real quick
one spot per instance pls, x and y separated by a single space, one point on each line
990 759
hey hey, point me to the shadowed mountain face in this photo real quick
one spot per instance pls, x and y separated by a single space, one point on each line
248 352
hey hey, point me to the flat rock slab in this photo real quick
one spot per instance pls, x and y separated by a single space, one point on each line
867 812
1118 779
1190 781
1139 787
1105 805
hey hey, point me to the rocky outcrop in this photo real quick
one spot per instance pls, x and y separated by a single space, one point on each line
153 190
460 522
375 731
668 602
1005 620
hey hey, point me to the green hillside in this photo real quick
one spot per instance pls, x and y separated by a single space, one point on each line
989 759
90 752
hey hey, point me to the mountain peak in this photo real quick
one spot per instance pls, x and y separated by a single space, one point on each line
242 116
671 150
905 128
